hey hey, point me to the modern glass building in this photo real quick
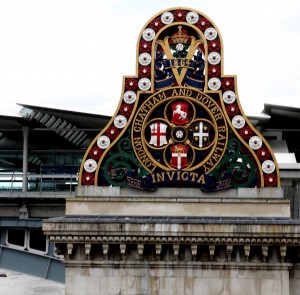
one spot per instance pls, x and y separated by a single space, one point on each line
40 155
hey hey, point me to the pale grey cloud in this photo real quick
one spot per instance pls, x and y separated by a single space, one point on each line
76 52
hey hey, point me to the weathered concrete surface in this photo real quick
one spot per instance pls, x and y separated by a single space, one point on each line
15 283
242 202
169 279
100 192
179 207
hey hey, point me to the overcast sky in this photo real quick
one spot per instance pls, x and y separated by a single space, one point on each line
73 53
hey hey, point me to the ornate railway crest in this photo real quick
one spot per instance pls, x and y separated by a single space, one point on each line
179 120
191 125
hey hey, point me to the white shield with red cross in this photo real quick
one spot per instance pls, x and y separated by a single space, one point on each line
179 156
158 134
180 113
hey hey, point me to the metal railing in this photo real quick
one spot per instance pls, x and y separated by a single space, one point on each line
39 182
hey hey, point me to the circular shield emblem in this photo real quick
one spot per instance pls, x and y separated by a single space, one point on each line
179 128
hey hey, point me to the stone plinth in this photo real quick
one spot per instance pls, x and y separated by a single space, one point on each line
105 201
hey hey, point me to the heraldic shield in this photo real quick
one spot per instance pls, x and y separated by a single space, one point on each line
179 121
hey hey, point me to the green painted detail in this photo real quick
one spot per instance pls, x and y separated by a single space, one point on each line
121 162
237 165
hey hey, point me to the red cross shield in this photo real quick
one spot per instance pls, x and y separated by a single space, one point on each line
179 156
180 113
158 134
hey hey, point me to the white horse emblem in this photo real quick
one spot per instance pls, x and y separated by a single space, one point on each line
182 114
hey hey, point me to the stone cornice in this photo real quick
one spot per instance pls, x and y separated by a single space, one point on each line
180 265
93 229
71 232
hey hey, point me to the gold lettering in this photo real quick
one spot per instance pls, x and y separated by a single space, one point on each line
153 177
156 100
137 140
160 176
137 126
210 103
149 104
162 95
193 175
210 162
221 137
221 129
184 175
201 179
143 156
145 110
215 156
152 169
219 149
170 174
199 96
204 99
141 153
182 91
214 109
188 92
206 169
218 116
174 92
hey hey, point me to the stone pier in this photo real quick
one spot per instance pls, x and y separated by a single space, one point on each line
147 252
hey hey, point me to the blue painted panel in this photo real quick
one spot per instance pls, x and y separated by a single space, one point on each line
33 264
56 271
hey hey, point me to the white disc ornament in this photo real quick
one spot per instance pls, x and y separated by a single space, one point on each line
103 142
238 122
129 97
255 142
268 166
144 84
167 18
214 83
214 58
145 59
229 96
148 34
120 121
210 34
192 17
90 165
